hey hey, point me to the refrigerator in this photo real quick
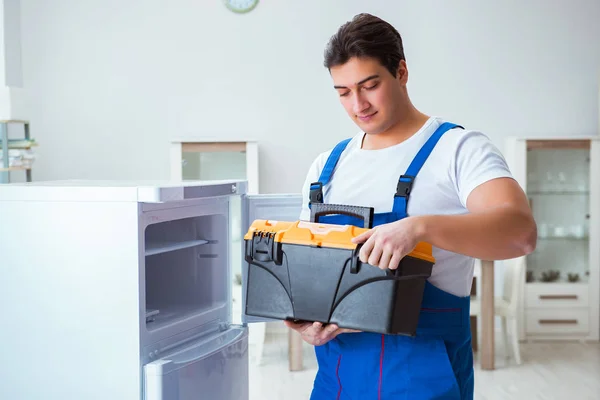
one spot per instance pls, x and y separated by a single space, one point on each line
123 290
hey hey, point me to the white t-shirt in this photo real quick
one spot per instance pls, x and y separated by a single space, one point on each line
462 160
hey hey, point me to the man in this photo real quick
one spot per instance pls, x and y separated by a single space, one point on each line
427 180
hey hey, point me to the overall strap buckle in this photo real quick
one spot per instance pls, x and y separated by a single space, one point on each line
404 186
316 193
405 182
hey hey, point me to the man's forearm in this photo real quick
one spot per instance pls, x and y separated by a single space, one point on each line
497 234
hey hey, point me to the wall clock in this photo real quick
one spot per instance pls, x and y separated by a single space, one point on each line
241 6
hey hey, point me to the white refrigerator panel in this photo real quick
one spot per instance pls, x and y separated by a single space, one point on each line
69 300
214 368
121 191
274 207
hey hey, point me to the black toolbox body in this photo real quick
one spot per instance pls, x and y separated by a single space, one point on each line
316 281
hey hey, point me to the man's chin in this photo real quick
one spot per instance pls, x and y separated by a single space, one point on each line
371 130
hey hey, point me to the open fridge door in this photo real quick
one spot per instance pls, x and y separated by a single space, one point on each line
274 207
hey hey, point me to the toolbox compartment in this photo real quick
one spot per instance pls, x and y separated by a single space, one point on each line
311 271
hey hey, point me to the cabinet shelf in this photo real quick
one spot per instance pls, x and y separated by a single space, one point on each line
559 192
7 146
165 247
2 169
564 239
581 281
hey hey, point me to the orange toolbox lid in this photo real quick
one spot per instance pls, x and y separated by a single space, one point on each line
316 234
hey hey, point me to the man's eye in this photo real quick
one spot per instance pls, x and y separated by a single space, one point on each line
371 87
344 94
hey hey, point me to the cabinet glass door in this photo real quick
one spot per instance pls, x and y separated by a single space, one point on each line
206 165
558 187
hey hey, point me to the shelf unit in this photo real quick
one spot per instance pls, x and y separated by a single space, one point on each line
561 177
207 159
5 168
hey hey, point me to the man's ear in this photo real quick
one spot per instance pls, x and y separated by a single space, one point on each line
402 72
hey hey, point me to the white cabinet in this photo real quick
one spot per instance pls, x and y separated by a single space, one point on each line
561 177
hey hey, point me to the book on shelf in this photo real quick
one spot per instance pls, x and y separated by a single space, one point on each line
20 143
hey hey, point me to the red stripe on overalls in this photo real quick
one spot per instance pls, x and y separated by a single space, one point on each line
337 373
381 366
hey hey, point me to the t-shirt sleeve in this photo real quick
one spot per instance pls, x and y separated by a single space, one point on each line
312 176
476 161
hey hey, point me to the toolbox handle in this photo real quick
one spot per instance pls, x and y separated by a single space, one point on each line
323 209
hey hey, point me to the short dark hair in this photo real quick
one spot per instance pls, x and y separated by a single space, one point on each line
366 36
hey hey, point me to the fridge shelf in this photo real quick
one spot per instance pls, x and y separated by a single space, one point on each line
166 316
165 247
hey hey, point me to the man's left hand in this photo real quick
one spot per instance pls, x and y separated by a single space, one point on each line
385 245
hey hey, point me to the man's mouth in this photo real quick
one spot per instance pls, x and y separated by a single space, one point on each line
367 118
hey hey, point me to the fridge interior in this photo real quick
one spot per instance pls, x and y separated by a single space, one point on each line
186 272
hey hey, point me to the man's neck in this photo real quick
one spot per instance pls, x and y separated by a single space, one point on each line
404 129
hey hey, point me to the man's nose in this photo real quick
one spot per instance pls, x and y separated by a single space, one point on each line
360 104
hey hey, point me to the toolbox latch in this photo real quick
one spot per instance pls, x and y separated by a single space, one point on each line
264 248
404 186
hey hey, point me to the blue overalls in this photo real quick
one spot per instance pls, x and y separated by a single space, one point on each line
435 364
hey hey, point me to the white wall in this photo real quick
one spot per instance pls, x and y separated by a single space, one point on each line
110 82
10 56
11 77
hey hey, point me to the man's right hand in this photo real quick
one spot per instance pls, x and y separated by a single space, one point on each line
315 333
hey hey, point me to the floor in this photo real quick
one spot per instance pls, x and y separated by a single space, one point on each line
550 370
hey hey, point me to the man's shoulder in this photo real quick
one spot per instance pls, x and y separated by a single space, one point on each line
466 140
321 158
461 132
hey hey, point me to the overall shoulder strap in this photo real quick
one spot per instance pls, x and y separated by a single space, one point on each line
316 188
406 181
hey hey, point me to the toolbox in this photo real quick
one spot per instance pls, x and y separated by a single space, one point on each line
311 271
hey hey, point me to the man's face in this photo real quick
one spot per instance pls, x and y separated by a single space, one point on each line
371 95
